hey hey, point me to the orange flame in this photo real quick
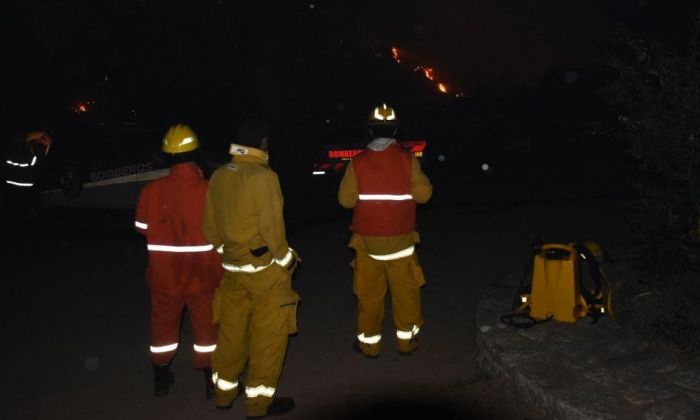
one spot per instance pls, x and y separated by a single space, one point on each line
395 54
442 88
80 107
429 73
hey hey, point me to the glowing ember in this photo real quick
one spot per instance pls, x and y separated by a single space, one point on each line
395 54
429 73
442 88
80 108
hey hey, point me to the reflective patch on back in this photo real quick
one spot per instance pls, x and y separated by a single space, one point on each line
232 166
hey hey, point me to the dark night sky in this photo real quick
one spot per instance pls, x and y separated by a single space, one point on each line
274 52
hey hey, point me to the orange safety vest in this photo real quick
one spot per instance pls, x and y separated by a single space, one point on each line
169 213
385 206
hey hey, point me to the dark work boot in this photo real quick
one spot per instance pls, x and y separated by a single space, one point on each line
278 406
357 348
209 391
163 378
408 347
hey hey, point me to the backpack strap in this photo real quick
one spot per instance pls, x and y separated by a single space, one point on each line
594 297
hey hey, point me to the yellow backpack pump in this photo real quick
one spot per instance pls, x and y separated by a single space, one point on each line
564 282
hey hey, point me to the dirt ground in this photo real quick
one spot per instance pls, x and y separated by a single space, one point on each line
77 312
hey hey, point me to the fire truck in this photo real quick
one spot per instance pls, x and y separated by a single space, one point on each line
104 166
340 144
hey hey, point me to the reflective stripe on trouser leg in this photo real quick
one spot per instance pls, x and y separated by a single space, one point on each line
226 390
268 341
405 280
222 383
370 287
204 348
259 391
407 335
163 354
373 339
231 354
166 315
199 308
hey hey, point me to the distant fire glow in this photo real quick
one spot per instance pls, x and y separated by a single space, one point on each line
82 107
395 54
428 72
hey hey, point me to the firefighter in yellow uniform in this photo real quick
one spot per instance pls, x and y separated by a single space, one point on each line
383 185
255 305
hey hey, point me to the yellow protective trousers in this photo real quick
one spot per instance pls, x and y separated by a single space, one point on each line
256 312
403 278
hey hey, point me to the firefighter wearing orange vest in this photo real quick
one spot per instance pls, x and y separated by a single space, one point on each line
183 267
383 185
255 306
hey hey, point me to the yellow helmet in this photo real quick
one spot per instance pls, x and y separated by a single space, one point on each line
180 138
383 114
38 136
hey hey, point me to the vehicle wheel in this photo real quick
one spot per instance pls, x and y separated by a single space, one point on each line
71 184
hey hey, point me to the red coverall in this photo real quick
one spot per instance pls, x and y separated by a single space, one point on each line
183 268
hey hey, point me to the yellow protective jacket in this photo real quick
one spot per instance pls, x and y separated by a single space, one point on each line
243 211
421 189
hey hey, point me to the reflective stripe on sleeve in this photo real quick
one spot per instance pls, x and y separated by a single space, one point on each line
20 184
388 197
220 249
141 225
260 390
204 349
163 349
223 384
21 165
286 259
396 255
173 248
407 335
369 340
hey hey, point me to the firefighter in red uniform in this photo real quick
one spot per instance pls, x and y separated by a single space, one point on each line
383 185
183 268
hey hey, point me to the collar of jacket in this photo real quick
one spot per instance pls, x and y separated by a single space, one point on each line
380 143
248 154
186 170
